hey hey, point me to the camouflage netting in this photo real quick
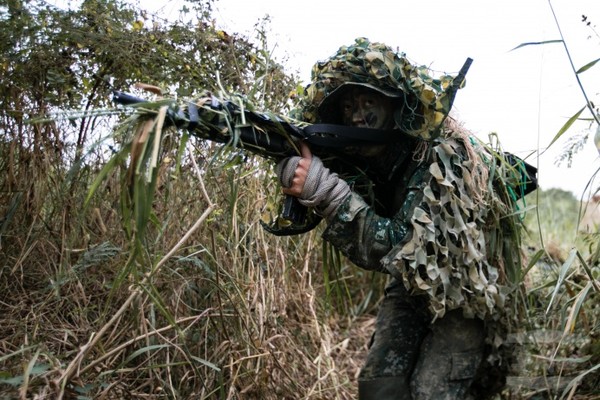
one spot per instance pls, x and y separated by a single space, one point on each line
427 99
463 250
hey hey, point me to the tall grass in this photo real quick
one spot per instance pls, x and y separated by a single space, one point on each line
198 301
211 304
561 346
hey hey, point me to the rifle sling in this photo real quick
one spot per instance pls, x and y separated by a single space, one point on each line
330 135
322 135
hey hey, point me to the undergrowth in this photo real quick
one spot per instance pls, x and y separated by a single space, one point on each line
205 304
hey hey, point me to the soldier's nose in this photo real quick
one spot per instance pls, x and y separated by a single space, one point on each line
358 117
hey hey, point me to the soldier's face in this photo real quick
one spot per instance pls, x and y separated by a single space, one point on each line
366 108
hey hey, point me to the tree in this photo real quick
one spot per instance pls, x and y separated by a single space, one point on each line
61 260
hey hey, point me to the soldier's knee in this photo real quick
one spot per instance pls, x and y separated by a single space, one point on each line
449 377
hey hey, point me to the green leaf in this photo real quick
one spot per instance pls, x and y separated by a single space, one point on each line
143 350
536 257
580 299
537 43
587 66
109 167
567 125
575 382
14 381
207 363
561 277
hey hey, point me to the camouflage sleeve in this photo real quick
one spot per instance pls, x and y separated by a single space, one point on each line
363 236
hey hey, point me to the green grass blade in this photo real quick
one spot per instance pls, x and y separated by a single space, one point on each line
573 384
588 271
143 350
587 66
536 257
567 125
110 166
580 299
207 363
537 43
561 277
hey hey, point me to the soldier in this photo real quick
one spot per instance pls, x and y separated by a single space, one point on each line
434 211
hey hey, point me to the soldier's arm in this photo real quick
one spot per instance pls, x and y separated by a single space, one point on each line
365 237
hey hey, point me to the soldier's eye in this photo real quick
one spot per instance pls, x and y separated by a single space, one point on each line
370 101
347 107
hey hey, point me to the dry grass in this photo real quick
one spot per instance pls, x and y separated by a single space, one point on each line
209 305
200 302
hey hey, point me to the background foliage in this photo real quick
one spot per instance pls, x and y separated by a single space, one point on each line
207 305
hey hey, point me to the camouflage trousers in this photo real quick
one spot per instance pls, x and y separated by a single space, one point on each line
412 359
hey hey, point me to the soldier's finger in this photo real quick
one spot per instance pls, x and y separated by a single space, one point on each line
305 150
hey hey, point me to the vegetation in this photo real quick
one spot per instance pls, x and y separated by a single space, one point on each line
200 302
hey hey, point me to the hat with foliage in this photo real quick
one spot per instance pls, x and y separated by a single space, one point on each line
426 101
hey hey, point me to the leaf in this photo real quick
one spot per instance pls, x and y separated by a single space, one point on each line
97 255
160 120
588 271
536 257
149 88
571 321
567 125
13 381
587 66
537 43
207 363
144 350
573 384
138 25
561 277
110 166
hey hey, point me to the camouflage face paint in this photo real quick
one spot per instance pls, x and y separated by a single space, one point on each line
366 108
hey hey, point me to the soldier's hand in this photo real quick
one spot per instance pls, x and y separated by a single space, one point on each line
298 180
315 186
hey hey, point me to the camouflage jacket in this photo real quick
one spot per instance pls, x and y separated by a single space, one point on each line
443 225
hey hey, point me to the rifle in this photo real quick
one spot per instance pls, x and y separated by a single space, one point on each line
275 137
270 136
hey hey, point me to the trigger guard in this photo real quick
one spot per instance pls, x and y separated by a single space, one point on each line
293 229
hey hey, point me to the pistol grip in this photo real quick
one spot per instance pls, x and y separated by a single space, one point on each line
293 211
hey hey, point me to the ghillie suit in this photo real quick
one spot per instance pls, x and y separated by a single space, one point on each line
440 209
